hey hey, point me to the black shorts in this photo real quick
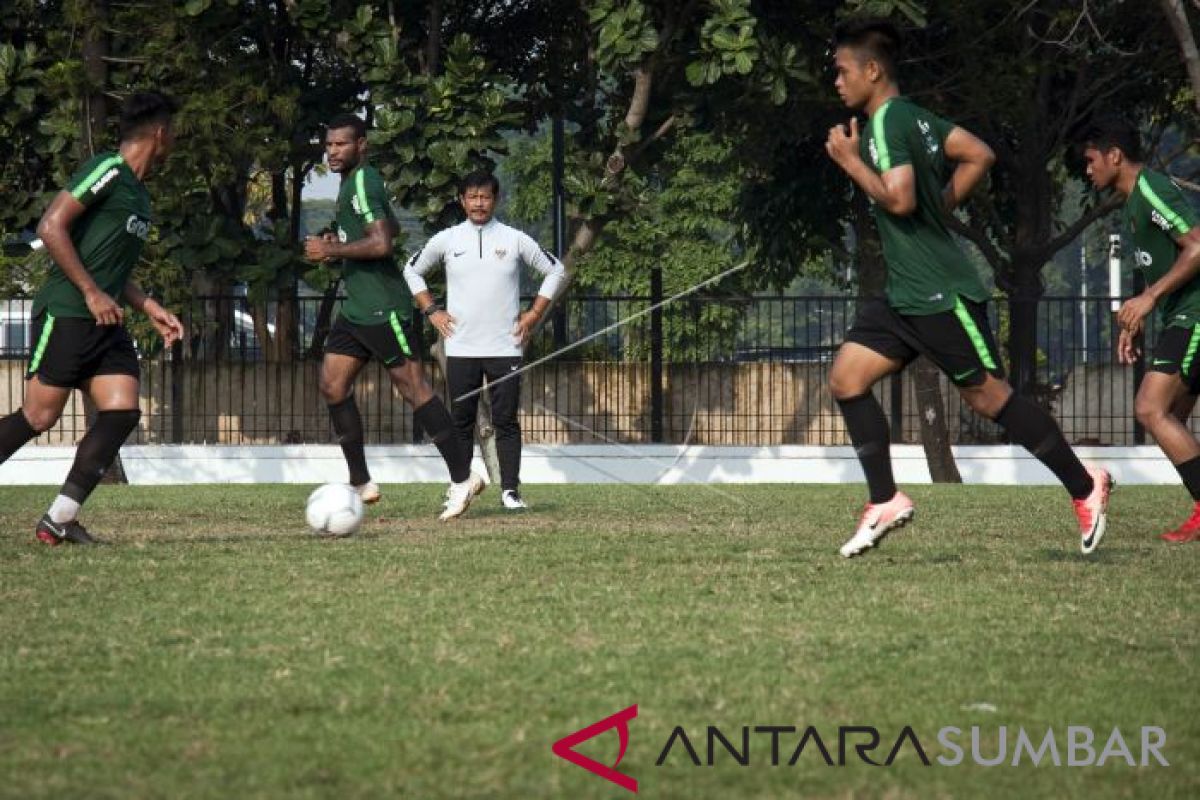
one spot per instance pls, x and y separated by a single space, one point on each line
1177 351
959 342
69 350
388 341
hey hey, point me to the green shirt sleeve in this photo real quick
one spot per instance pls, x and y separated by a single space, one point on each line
889 136
96 179
1170 210
370 196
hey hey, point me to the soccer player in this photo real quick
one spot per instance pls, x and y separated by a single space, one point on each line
94 230
914 167
373 320
484 329
1166 237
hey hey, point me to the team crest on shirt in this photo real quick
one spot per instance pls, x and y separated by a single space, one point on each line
501 252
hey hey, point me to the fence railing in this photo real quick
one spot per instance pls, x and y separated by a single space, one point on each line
718 370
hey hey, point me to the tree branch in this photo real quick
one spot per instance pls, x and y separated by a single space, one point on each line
1047 251
996 260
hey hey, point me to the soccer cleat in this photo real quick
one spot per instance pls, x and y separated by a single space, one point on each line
460 495
878 520
1189 531
511 500
55 533
369 493
1092 510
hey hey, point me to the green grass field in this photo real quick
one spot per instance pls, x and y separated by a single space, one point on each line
218 650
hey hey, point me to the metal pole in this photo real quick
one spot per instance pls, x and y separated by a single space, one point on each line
1083 290
656 357
559 323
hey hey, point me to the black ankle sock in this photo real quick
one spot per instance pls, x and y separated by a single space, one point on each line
1034 429
869 432
435 420
347 424
15 431
1190 472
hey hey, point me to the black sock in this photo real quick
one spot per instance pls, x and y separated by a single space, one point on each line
869 432
15 431
1190 472
347 424
435 420
1034 429
97 449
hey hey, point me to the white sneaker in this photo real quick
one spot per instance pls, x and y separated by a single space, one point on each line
511 500
877 521
460 495
369 492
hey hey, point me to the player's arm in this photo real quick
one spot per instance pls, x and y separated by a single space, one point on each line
167 324
973 159
54 229
894 190
376 243
553 272
1182 272
415 269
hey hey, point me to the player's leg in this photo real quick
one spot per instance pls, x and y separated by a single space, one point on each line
464 376
966 351
336 383
1163 403
504 387
874 348
116 399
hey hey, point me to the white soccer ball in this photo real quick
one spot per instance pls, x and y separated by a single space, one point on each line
334 509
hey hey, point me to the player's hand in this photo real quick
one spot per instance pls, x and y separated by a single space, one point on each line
523 330
104 309
318 249
443 322
167 324
1127 347
1134 310
842 146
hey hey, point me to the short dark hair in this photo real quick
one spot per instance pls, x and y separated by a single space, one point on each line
480 177
348 121
143 109
1107 131
875 38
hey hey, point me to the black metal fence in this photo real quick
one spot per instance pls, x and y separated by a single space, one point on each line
719 370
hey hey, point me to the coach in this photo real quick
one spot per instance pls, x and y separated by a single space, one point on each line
484 329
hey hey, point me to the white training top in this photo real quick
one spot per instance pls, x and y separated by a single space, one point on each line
483 283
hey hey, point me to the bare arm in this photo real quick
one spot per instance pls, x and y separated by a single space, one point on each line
55 231
167 324
894 190
376 243
1184 270
973 158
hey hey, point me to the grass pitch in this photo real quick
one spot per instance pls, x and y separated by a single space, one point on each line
218 650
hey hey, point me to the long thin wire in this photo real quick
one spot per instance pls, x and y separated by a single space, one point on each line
603 331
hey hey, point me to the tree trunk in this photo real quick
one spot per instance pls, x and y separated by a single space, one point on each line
1023 300
935 434
93 51
1177 16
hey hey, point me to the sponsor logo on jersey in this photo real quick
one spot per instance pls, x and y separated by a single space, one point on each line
105 180
1159 220
458 253
138 227
931 145
354 204
874 152
1143 258
341 236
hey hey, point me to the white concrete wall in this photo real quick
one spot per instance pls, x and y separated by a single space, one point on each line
648 464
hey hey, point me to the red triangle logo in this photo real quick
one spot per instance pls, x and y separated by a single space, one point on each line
565 748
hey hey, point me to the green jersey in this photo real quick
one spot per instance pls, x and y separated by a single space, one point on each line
108 236
374 288
927 272
1156 214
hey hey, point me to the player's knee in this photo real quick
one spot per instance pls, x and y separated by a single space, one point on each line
41 419
844 386
332 391
415 390
1149 414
